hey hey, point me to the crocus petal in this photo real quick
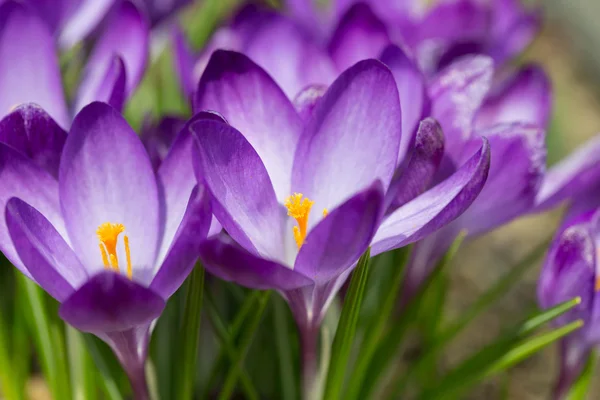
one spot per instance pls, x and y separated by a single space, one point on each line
352 139
516 173
184 61
456 95
106 176
359 35
422 164
436 207
184 249
49 259
20 177
523 97
307 99
158 10
413 93
244 199
251 102
337 241
127 36
29 70
110 88
83 20
109 302
225 259
570 270
455 21
34 133
282 49
571 177
176 180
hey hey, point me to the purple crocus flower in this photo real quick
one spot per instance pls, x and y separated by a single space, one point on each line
29 70
110 239
301 188
438 34
571 270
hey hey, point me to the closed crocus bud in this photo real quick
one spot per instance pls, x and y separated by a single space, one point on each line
570 271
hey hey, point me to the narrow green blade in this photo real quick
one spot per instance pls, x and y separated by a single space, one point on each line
190 336
246 340
344 336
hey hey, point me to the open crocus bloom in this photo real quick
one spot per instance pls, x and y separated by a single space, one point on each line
29 70
110 240
571 270
302 192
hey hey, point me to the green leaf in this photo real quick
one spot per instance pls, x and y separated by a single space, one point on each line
46 338
390 344
532 346
492 357
228 337
8 383
344 336
579 389
107 365
190 336
82 377
377 326
227 343
246 340
284 351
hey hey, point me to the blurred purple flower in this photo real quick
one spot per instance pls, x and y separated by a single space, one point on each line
110 239
338 154
29 70
571 270
437 34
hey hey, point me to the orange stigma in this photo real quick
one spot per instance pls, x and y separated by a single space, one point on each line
299 209
108 235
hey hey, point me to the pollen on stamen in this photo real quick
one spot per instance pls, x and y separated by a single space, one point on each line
108 234
299 209
597 286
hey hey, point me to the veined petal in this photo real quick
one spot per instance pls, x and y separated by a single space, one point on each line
244 201
185 246
83 20
176 180
225 259
417 173
338 240
458 20
109 89
574 175
307 99
435 208
252 102
126 35
523 97
49 259
34 133
109 302
184 60
106 176
413 93
352 139
516 173
360 35
282 49
29 70
20 177
456 94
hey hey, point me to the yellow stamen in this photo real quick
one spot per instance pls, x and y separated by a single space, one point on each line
325 212
128 256
299 209
108 234
597 285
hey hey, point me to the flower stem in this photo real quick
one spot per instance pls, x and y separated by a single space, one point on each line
309 336
139 385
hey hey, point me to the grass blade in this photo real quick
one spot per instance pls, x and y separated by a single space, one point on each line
190 335
242 350
377 326
82 378
390 344
579 389
344 336
284 351
108 379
